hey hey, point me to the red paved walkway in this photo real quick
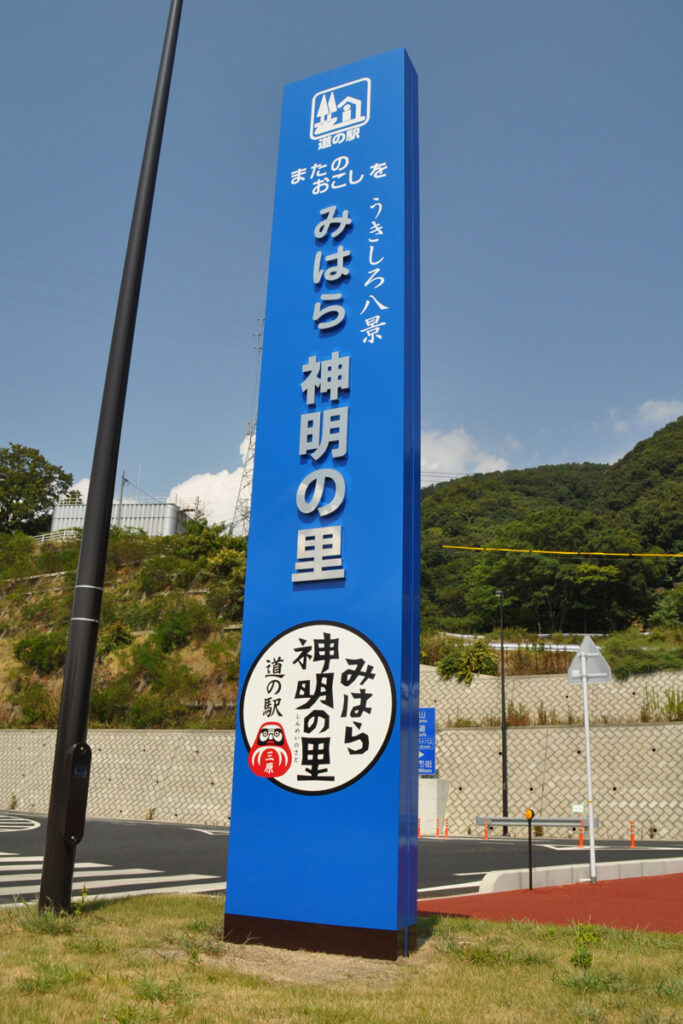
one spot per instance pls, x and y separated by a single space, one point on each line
653 904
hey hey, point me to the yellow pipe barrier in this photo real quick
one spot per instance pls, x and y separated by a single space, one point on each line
538 551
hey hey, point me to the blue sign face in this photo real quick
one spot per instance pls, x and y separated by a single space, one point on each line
427 741
325 771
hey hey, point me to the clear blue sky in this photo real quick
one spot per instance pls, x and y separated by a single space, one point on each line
551 150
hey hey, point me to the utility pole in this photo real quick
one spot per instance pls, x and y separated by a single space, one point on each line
240 517
71 771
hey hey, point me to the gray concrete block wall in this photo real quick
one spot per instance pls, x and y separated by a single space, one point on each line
186 775
175 775
637 776
617 702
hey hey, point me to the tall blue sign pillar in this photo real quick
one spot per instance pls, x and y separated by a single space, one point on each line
323 852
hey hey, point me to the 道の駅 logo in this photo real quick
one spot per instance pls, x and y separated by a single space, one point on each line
338 114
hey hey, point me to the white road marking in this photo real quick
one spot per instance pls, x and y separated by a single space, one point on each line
17 823
110 883
92 875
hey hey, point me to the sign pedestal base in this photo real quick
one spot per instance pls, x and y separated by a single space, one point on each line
373 943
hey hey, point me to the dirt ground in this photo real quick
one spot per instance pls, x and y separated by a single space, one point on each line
327 969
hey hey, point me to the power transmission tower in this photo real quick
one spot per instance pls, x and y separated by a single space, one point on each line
240 518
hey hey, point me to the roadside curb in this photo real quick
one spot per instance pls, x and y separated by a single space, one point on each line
570 874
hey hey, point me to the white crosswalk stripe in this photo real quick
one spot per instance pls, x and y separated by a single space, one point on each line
16 823
20 879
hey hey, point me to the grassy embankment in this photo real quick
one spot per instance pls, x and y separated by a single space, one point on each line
168 648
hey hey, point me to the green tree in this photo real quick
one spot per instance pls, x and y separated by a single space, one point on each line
30 487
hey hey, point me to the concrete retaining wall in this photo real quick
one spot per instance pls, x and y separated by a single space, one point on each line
618 702
637 776
173 775
185 775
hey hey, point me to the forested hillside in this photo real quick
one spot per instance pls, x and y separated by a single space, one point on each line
634 505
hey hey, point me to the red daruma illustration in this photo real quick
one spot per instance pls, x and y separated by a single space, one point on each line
270 755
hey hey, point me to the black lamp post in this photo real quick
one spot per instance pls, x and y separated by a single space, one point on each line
71 772
503 722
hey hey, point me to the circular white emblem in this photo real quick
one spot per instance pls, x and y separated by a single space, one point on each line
317 708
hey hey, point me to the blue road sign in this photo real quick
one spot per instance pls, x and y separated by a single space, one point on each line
325 779
427 741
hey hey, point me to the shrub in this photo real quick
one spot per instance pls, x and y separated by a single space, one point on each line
226 599
52 608
673 705
57 556
16 555
434 645
45 652
182 623
37 706
130 547
110 701
111 636
464 661
630 652
151 709
153 690
200 541
517 714
224 655
156 574
228 561
669 608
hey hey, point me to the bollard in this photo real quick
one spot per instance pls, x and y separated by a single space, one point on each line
581 834
633 836
486 829
445 834
437 828
418 828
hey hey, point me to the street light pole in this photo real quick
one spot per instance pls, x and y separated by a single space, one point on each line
71 770
503 721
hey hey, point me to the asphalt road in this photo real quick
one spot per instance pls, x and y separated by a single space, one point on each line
118 857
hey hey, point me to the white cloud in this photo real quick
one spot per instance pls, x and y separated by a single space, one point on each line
217 492
82 487
455 454
656 413
513 444
618 426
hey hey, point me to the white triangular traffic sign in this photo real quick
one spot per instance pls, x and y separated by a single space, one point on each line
597 669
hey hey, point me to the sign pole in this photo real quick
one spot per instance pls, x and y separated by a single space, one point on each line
529 815
71 771
583 672
589 782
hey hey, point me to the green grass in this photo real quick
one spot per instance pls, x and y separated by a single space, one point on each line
161 958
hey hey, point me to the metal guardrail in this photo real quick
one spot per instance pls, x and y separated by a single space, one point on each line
546 822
